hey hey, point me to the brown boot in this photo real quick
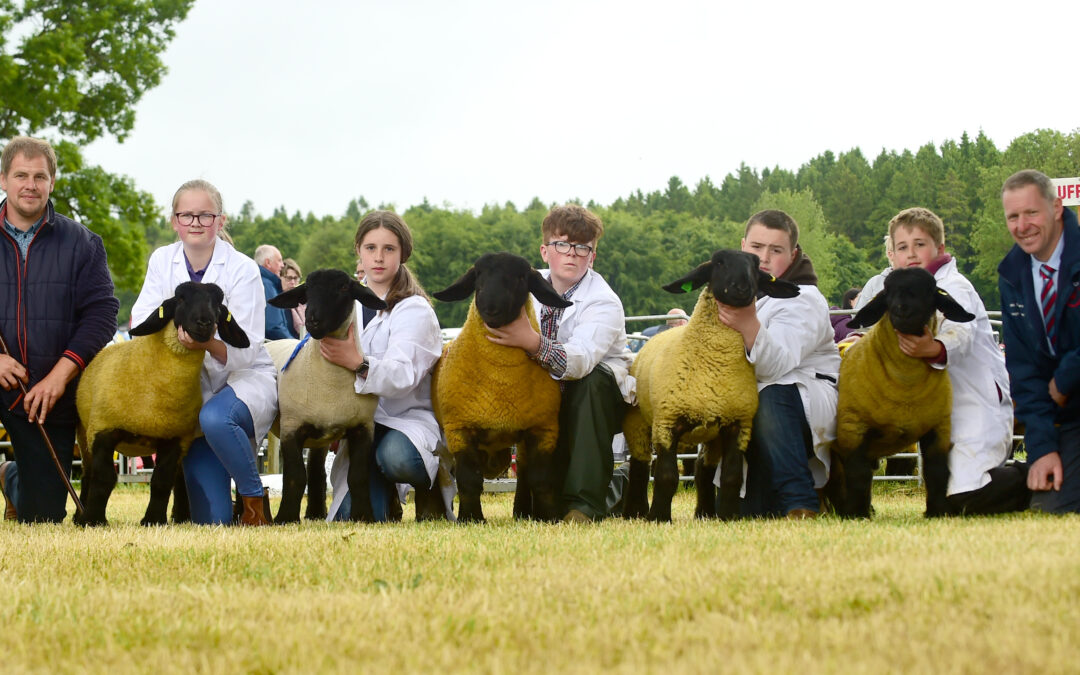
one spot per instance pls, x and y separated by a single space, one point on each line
255 509
9 509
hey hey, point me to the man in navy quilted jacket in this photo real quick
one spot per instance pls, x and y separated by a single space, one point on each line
57 311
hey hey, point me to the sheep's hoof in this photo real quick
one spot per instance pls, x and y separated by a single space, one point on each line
660 517
466 519
283 520
152 522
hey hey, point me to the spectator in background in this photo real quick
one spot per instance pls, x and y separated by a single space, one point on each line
359 269
290 279
671 323
840 321
277 320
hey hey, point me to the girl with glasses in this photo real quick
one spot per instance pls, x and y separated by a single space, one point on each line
290 279
239 389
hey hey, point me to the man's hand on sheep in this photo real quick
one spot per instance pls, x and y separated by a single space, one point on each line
1046 473
742 319
920 346
214 346
43 396
11 372
1059 398
342 352
517 333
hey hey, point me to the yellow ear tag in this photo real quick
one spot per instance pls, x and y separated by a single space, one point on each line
772 278
228 317
161 311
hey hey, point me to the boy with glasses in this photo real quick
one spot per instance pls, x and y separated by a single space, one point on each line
584 348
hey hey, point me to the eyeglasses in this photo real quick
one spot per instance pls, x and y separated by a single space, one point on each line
290 277
205 219
564 247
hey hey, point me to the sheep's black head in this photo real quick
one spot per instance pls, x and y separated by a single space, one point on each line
198 309
502 283
329 295
911 297
734 279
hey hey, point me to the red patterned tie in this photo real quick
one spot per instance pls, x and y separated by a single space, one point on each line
1049 295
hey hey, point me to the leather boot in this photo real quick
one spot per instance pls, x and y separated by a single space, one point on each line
255 510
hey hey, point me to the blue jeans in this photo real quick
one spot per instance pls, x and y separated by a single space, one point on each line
778 472
1066 500
45 499
226 451
395 460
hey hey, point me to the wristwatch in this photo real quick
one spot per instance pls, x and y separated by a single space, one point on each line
362 369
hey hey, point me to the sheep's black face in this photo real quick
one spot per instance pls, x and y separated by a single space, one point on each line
910 294
329 301
197 308
734 279
502 287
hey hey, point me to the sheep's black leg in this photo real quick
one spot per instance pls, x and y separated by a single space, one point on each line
470 486
667 480
293 478
542 483
731 474
524 499
704 472
835 487
935 456
636 500
84 490
316 484
161 483
181 506
359 478
103 476
859 477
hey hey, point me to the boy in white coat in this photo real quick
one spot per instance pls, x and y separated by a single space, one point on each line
584 348
982 418
790 343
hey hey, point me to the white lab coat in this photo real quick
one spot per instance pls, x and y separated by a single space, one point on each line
592 331
399 373
794 346
249 371
873 286
982 413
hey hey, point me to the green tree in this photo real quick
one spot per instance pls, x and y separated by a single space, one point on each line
73 72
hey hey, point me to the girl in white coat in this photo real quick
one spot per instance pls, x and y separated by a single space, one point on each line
238 387
401 345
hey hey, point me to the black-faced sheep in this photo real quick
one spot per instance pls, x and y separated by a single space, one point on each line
143 396
888 400
488 397
317 402
695 386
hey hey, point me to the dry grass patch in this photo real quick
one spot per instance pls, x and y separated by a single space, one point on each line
897 593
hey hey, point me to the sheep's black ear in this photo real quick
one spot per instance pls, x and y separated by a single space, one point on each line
158 320
871 313
952 309
231 333
366 297
460 289
545 292
776 288
294 297
692 281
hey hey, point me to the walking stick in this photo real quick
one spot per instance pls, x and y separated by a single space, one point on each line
48 441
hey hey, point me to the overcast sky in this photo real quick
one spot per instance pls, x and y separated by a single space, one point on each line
308 105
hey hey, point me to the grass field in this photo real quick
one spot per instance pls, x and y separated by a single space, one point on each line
895 594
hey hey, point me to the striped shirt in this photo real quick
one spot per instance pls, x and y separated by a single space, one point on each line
552 354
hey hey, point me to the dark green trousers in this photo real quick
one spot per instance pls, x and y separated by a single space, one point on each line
590 415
